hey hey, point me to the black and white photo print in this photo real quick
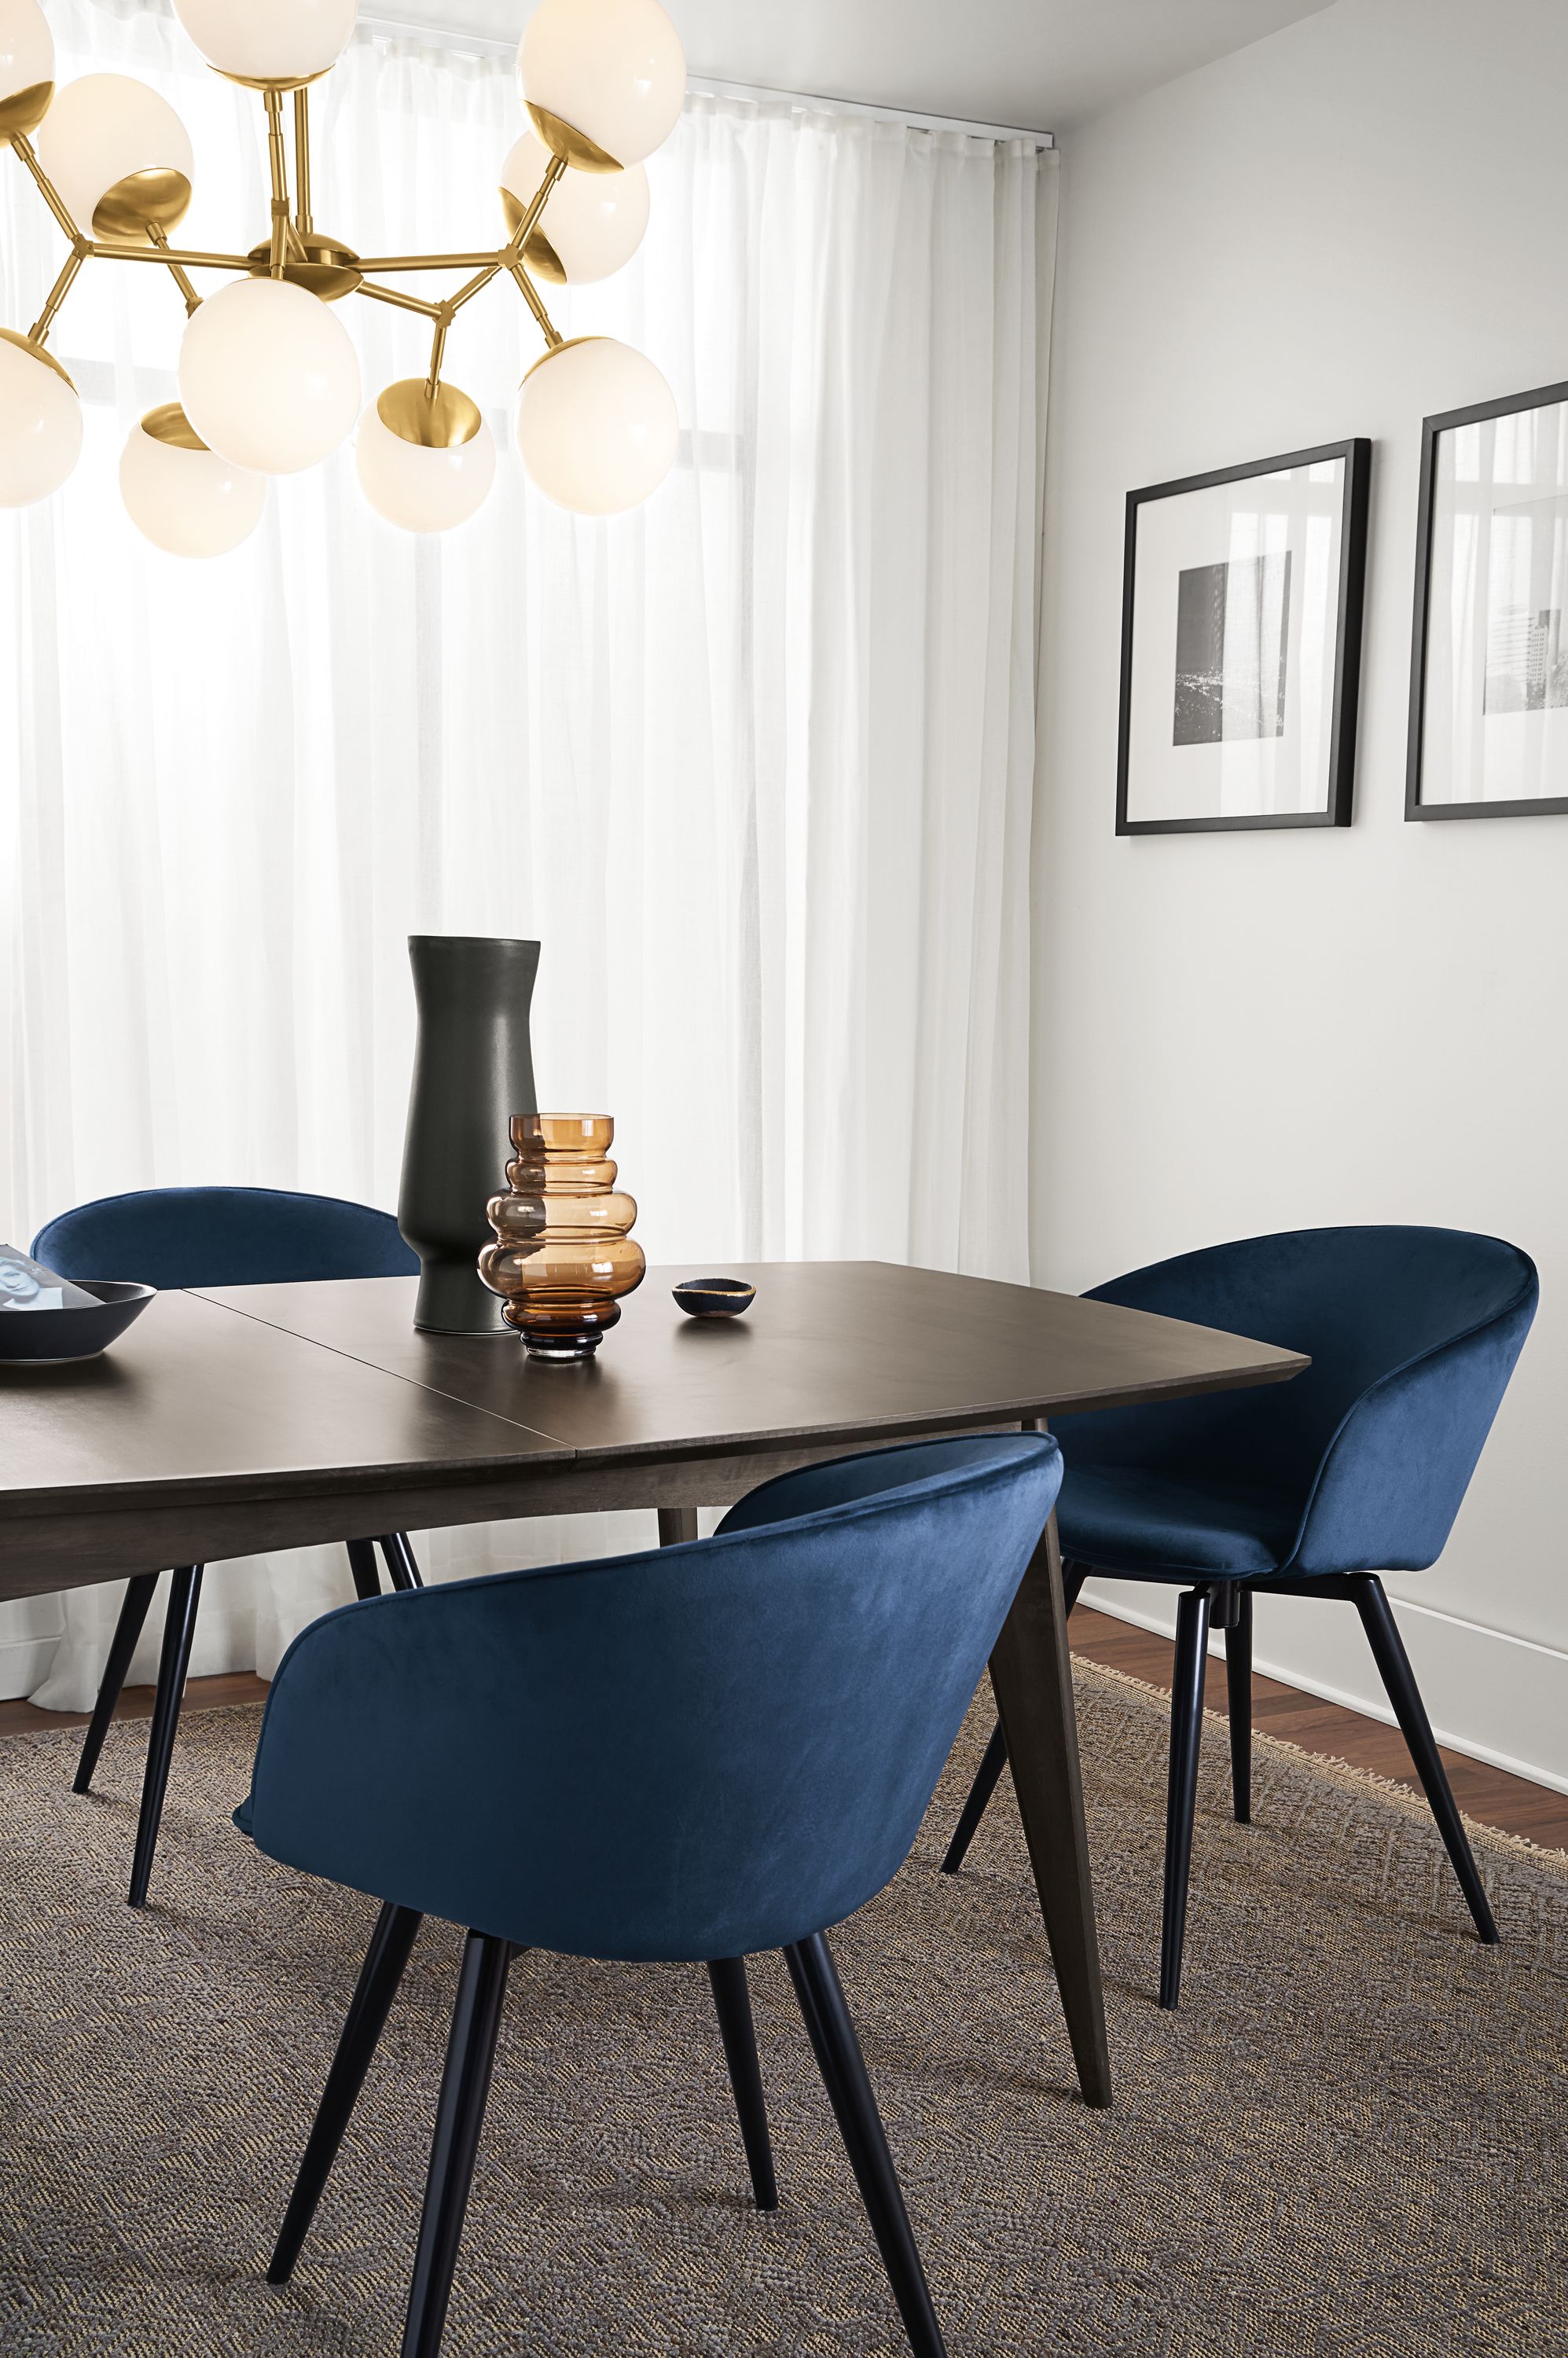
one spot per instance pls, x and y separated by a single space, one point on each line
1241 628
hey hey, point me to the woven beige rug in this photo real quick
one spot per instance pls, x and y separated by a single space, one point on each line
1351 2142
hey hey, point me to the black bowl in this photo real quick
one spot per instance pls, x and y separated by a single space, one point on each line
49 1338
714 1297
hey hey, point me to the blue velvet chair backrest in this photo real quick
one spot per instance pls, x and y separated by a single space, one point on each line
224 1236
693 1752
1412 1333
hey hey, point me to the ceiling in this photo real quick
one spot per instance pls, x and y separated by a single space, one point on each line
1043 65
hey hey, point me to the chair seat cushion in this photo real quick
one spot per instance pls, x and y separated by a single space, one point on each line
1149 1526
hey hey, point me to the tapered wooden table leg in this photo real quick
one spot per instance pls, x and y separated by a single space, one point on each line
1032 1674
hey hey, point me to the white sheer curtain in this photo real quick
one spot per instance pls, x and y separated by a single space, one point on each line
754 765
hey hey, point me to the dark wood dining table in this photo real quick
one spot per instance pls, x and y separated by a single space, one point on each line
241 1419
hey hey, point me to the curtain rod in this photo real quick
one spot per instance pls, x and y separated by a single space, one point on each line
485 45
707 86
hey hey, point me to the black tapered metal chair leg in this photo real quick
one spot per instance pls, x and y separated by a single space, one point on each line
1238 1692
1193 1613
400 1561
380 1975
465 2084
838 2058
139 1594
363 1564
732 2003
174 1663
1399 1679
993 1761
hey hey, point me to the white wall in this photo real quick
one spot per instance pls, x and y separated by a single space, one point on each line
1336 232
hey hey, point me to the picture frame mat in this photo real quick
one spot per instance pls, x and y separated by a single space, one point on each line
1143 696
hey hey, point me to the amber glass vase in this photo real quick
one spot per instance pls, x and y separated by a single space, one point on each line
563 1253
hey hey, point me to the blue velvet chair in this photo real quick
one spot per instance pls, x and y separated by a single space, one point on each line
180 1237
1309 1488
690 1757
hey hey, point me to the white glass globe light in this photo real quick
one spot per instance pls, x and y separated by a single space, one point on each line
181 496
412 470
592 222
596 425
27 67
119 156
40 423
280 41
603 79
268 376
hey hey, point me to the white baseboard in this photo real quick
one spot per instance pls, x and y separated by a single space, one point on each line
1497 1698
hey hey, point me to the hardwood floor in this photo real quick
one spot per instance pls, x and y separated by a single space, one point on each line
1490 1795
137 1703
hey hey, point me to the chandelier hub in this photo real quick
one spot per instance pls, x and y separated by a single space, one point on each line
326 267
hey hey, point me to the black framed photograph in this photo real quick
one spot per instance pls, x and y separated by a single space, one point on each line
1488 723
1241 645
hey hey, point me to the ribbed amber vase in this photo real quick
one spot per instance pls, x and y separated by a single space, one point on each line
563 1253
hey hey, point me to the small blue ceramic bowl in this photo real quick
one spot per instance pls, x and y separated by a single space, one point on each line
51 1339
714 1297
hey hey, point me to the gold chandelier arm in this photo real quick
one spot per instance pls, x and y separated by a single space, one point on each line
277 158
394 295
520 236
436 261
22 146
176 271
105 250
481 278
302 160
530 294
438 348
509 258
542 194
79 252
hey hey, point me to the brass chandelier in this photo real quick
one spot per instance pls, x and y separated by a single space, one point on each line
269 380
